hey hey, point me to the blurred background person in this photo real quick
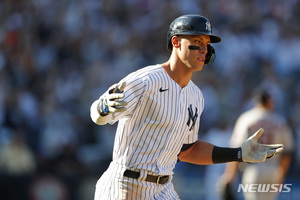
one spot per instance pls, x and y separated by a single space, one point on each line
272 171
17 166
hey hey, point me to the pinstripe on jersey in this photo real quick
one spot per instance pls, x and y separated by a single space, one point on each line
152 131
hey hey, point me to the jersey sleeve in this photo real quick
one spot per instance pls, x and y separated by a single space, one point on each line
134 90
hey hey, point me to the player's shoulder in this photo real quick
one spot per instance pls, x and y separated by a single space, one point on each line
194 89
248 116
145 71
152 70
253 112
141 74
193 86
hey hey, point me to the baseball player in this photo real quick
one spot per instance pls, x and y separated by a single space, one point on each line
272 171
158 110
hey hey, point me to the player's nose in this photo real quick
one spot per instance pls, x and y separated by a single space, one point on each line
203 49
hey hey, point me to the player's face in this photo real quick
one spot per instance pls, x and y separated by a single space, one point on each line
193 59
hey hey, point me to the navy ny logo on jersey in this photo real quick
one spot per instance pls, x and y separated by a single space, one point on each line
192 117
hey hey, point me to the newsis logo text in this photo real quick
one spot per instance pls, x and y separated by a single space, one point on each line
264 187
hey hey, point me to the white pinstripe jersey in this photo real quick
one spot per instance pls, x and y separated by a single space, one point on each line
160 117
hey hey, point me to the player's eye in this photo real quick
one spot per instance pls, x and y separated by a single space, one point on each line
199 42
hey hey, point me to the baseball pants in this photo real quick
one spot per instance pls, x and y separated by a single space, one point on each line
114 186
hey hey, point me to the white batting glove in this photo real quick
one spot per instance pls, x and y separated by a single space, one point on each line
109 102
255 152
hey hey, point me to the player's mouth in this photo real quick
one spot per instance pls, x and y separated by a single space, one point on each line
202 59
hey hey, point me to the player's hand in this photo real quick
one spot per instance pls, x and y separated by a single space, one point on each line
255 152
109 102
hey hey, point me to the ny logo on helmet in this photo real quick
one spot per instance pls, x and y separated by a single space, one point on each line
208 26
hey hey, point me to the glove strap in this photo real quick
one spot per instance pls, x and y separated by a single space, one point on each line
224 154
103 107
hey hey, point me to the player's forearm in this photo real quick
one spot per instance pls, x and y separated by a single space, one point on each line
285 165
204 153
95 114
200 153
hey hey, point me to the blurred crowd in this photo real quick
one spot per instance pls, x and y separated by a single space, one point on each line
57 57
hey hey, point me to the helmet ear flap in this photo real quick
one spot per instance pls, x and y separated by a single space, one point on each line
210 56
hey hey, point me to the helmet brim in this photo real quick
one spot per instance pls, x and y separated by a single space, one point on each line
213 38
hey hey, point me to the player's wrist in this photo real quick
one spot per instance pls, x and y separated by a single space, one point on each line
224 154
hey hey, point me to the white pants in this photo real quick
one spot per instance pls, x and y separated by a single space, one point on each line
114 186
256 175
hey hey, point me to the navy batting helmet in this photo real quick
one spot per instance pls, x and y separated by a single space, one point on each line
191 25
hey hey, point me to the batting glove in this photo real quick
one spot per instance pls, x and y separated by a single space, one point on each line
109 102
255 152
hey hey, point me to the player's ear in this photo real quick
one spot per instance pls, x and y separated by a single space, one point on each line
175 41
210 56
